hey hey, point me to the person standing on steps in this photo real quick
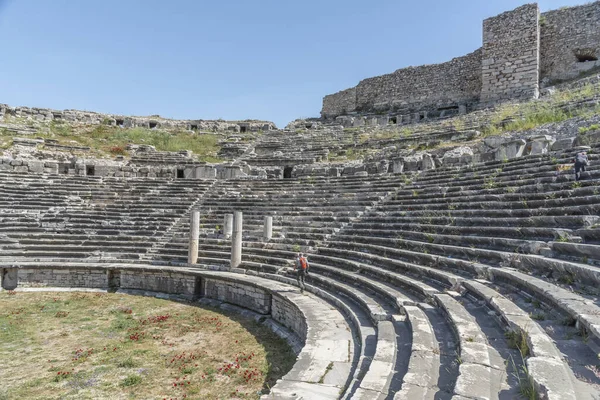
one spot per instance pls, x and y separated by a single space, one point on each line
301 270
581 161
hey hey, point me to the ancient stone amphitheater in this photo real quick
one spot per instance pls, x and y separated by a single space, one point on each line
452 256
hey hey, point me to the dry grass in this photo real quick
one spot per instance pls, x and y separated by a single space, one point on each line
90 346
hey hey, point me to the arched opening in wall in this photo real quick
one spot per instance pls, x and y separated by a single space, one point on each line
90 170
180 173
243 129
152 124
287 172
585 55
393 120
120 122
193 127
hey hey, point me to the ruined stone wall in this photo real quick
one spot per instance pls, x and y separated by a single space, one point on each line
339 103
289 315
62 277
429 86
566 34
521 51
159 281
248 296
511 55
93 118
168 281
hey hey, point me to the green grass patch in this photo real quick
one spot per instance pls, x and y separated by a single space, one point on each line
132 347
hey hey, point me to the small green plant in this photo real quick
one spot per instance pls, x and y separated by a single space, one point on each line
585 335
458 359
518 340
584 260
415 193
525 381
296 248
188 370
563 239
131 380
489 183
594 127
127 363
567 279
538 316
576 185
329 368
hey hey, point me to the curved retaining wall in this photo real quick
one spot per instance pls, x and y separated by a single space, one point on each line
300 314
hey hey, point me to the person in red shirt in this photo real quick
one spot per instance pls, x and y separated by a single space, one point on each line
302 267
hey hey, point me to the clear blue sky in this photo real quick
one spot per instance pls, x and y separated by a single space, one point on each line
231 59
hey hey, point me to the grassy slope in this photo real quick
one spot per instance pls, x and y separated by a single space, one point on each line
110 140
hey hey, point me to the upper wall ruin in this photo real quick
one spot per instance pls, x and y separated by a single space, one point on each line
94 118
522 51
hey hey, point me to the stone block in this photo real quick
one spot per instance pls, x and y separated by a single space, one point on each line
564 143
427 163
510 150
36 166
9 278
540 144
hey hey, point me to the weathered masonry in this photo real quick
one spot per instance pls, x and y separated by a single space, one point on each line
522 51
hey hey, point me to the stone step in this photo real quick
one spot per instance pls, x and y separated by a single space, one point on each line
586 312
445 196
558 221
482 372
484 242
479 259
364 228
578 252
500 204
589 236
376 382
365 331
552 376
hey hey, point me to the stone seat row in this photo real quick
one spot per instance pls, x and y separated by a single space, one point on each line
375 309
451 282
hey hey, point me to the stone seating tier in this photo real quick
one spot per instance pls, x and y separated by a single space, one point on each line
430 308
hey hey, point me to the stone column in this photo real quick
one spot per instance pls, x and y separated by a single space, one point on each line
236 240
228 225
194 234
268 229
